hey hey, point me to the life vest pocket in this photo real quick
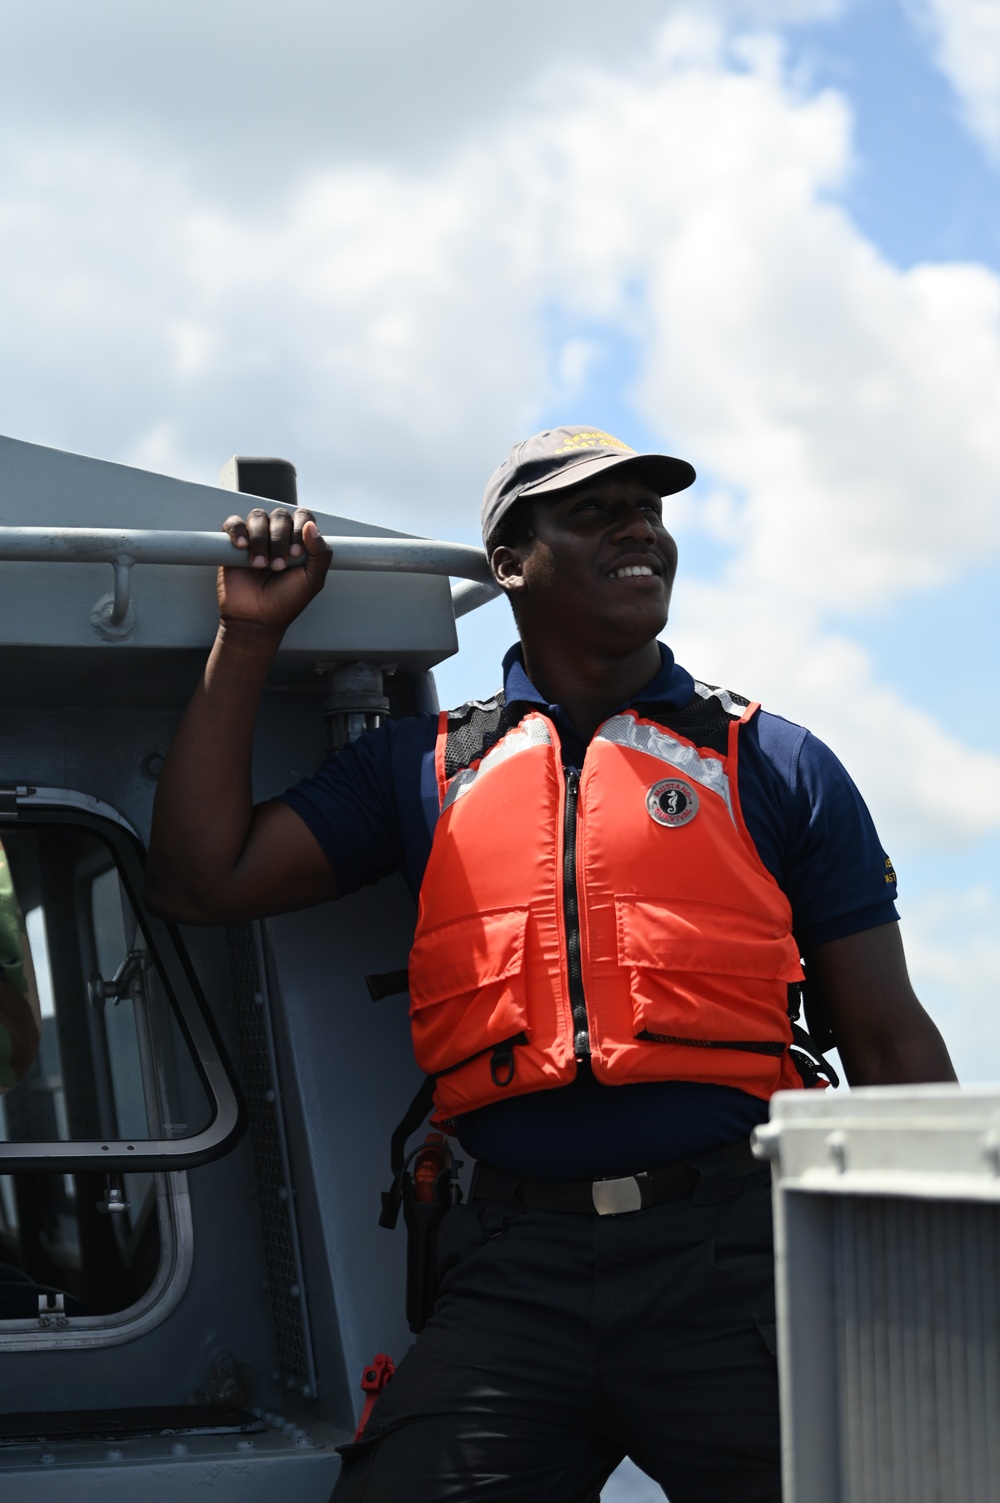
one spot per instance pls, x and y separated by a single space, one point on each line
706 974
467 991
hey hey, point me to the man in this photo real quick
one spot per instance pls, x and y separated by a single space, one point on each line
619 869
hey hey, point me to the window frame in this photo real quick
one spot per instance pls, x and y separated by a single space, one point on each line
173 1274
227 1111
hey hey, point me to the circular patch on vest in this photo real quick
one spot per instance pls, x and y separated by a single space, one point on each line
672 802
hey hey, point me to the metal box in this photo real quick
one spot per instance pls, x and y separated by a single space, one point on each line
887 1234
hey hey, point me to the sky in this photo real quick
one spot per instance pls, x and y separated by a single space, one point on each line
388 241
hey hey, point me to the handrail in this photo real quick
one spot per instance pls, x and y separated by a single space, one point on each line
471 594
120 549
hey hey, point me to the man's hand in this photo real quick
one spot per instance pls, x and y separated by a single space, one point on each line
269 594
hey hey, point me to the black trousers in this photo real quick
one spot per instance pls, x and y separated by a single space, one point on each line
562 1342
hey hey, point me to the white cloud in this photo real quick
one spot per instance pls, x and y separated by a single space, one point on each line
257 94
965 36
384 325
926 789
953 949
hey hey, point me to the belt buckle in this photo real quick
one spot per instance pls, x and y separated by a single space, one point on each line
612 1197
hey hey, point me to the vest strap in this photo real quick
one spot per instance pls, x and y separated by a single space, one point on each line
414 1116
383 984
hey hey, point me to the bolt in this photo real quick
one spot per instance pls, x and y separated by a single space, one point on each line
837 1146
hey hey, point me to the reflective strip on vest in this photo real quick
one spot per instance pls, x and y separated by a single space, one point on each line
532 731
726 700
704 768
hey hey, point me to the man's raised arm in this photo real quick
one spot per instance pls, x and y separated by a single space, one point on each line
214 857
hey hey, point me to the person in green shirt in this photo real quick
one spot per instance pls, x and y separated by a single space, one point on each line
20 1015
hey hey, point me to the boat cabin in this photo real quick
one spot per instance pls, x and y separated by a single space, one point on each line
192 1274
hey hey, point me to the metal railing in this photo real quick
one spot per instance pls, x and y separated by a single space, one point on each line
107 545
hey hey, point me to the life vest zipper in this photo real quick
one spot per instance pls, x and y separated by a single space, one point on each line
571 917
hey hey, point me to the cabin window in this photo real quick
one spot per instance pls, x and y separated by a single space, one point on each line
56 1241
112 1063
110 1073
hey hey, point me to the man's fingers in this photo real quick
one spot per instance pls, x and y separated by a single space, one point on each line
259 530
274 537
237 530
281 537
318 554
301 518
312 539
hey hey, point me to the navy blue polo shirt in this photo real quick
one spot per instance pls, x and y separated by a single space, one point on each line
373 809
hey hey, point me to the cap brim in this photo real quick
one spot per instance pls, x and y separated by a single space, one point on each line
665 474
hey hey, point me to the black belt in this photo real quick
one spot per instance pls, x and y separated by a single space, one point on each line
610 1197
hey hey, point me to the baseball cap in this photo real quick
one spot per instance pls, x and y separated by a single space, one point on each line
559 457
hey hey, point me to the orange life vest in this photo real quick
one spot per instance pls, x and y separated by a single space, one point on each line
623 913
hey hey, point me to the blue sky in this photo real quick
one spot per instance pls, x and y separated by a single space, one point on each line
388 241
924 188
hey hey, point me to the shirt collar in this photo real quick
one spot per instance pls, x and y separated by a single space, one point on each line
671 684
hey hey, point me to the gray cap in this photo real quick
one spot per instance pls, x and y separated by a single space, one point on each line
560 457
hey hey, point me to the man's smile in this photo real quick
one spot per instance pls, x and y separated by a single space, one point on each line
645 566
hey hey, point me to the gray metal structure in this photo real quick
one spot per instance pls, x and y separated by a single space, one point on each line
887 1227
272 1284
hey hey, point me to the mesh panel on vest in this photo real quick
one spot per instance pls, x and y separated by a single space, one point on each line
705 720
476 727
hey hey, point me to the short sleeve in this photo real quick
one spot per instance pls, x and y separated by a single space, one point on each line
814 833
365 805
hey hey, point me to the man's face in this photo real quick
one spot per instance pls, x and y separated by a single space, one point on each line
599 568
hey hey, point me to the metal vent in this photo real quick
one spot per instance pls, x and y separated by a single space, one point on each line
918 1319
275 1197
